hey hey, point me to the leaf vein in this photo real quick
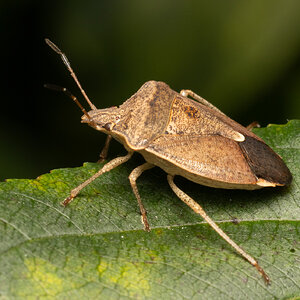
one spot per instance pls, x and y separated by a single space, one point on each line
16 228
51 207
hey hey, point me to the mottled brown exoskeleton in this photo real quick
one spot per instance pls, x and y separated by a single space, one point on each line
184 137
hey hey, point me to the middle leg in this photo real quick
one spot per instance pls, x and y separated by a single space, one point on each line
134 175
198 98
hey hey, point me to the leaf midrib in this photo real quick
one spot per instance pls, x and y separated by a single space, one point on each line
63 235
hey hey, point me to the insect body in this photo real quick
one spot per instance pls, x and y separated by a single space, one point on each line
184 137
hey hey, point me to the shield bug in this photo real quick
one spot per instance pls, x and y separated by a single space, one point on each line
190 138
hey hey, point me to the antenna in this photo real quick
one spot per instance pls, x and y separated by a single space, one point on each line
68 65
69 94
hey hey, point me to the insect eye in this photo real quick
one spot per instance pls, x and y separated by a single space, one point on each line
108 126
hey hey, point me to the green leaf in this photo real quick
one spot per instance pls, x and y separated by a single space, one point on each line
96 246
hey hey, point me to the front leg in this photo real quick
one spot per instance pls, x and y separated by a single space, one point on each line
103 154
106 168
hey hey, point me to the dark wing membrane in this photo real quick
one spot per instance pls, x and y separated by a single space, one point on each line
264 162
211 156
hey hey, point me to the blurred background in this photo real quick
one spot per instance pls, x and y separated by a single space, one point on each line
243 56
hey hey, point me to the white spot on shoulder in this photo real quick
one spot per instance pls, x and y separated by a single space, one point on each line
239 137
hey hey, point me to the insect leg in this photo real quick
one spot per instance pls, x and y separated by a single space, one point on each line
254 124
190 93
103 154
134 175
199 210
106 168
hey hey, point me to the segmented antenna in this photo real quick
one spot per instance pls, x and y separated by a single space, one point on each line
69 94
68 65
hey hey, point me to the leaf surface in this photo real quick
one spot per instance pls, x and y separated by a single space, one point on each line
96 247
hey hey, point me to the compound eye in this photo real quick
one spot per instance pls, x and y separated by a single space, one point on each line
108 126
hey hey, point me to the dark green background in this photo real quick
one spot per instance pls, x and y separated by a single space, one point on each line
243 56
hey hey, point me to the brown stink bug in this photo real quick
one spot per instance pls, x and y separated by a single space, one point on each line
184 137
